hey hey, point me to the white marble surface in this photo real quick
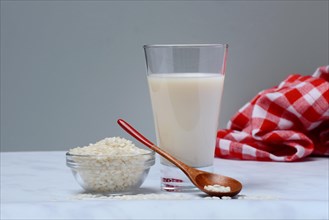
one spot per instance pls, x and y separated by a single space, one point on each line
38 185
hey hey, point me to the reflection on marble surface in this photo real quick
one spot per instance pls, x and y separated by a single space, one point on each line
40 186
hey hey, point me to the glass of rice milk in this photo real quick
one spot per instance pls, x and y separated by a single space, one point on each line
186 84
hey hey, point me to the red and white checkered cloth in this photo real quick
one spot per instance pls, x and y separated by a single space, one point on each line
284 123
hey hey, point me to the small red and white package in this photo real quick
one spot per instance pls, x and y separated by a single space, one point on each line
284 123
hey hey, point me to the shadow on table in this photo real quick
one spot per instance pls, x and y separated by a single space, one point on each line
138 191
311 158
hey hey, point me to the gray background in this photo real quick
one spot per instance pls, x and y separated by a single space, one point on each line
69 69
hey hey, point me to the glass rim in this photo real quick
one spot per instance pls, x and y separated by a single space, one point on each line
184 45
150 152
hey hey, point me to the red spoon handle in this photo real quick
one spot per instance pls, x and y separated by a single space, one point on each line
133 132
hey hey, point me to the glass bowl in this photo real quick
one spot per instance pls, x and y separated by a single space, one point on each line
108 174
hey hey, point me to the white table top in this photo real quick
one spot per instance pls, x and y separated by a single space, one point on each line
38 185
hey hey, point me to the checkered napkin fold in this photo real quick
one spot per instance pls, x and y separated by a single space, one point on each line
284 123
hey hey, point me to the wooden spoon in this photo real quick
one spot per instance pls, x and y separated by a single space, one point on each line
198 177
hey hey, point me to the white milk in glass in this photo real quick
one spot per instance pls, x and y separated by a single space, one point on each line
186 113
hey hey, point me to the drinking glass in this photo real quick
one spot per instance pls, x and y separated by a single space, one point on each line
186 84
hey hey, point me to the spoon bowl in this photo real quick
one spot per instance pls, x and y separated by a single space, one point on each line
206 178
198 177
